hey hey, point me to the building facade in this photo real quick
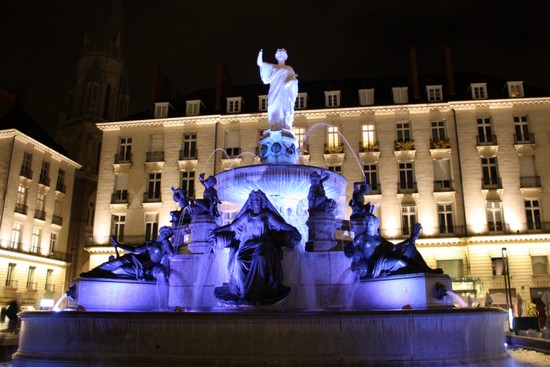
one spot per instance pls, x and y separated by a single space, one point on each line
36 191
463 157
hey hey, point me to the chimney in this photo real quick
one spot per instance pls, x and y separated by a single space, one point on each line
414 73
223 86
161 88
449 74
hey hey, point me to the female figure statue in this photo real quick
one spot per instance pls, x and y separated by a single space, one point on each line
255 239
283 90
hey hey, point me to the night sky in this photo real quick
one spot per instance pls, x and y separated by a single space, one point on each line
40 41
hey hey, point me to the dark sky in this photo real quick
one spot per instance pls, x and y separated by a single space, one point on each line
40 41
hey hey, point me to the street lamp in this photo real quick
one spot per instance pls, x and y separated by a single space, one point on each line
508 289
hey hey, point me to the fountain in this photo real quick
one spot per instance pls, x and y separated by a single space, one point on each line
274 286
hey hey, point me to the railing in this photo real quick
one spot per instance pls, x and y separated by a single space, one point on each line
188 154
232 152
63 256
154 157
487 140
26 172
151 197
369 147
12 283
443 185
60 187
44 180
529 181
375 189
119 197
334 149
39 214
440 144
49 287
404 145
56 219
21 209
407 187
106 242
491 183
32 286
123 158
524 139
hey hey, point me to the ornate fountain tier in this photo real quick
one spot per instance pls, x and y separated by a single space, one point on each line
289 183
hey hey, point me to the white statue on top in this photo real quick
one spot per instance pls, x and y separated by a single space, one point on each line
283 90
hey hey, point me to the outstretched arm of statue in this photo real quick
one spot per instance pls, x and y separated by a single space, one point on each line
260 59
415 232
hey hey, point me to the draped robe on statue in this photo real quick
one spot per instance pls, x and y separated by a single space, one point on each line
283 90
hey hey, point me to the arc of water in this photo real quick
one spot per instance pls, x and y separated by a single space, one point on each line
210 157
241 155
343 137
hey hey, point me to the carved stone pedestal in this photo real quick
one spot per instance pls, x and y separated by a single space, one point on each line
321 228
279 147
199 229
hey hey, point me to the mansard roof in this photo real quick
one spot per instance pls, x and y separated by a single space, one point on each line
349 93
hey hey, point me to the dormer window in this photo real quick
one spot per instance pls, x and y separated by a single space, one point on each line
479 90
301 101
400 95
366 97
234 104
332 98
161 109
262 103
193 107
515 89
435 93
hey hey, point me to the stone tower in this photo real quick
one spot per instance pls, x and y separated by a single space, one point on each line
98 92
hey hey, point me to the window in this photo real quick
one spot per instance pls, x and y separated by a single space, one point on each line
60 184
21 201
442 175
26 165
232 143
539 265
494 216
400 95
435 93
188 183
151 226
301 101
532 213
35 240
57 213
189 146
335 169
10 282
403 131
91 104
30 278
40 206
408 219
332 98
371 175
515 89
192 108
45 173
299 134
333 139
262 103
369 135
118 224
497 264
438 132
156 151
521 127
454 268
490 173
406 177
445 216
366 97
125 150
90 213
485 131
53 243
234 104
121 189
49 281
16 235
161 109
153 186
479 90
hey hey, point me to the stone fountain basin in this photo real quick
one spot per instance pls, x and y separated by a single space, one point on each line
264 337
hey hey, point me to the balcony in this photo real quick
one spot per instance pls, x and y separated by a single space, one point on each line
530 182
188 154
369 147
491 183
525 144
487 140
49 287
151 197
407 188
26 172
334 149
61 188
404 145
11 283
123 158
119 197
32 286
57 220
232 152
39 214
21 209
44 180
524 139
440 144
443 186
154 156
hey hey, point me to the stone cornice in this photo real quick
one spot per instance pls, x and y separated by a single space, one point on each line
16 134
